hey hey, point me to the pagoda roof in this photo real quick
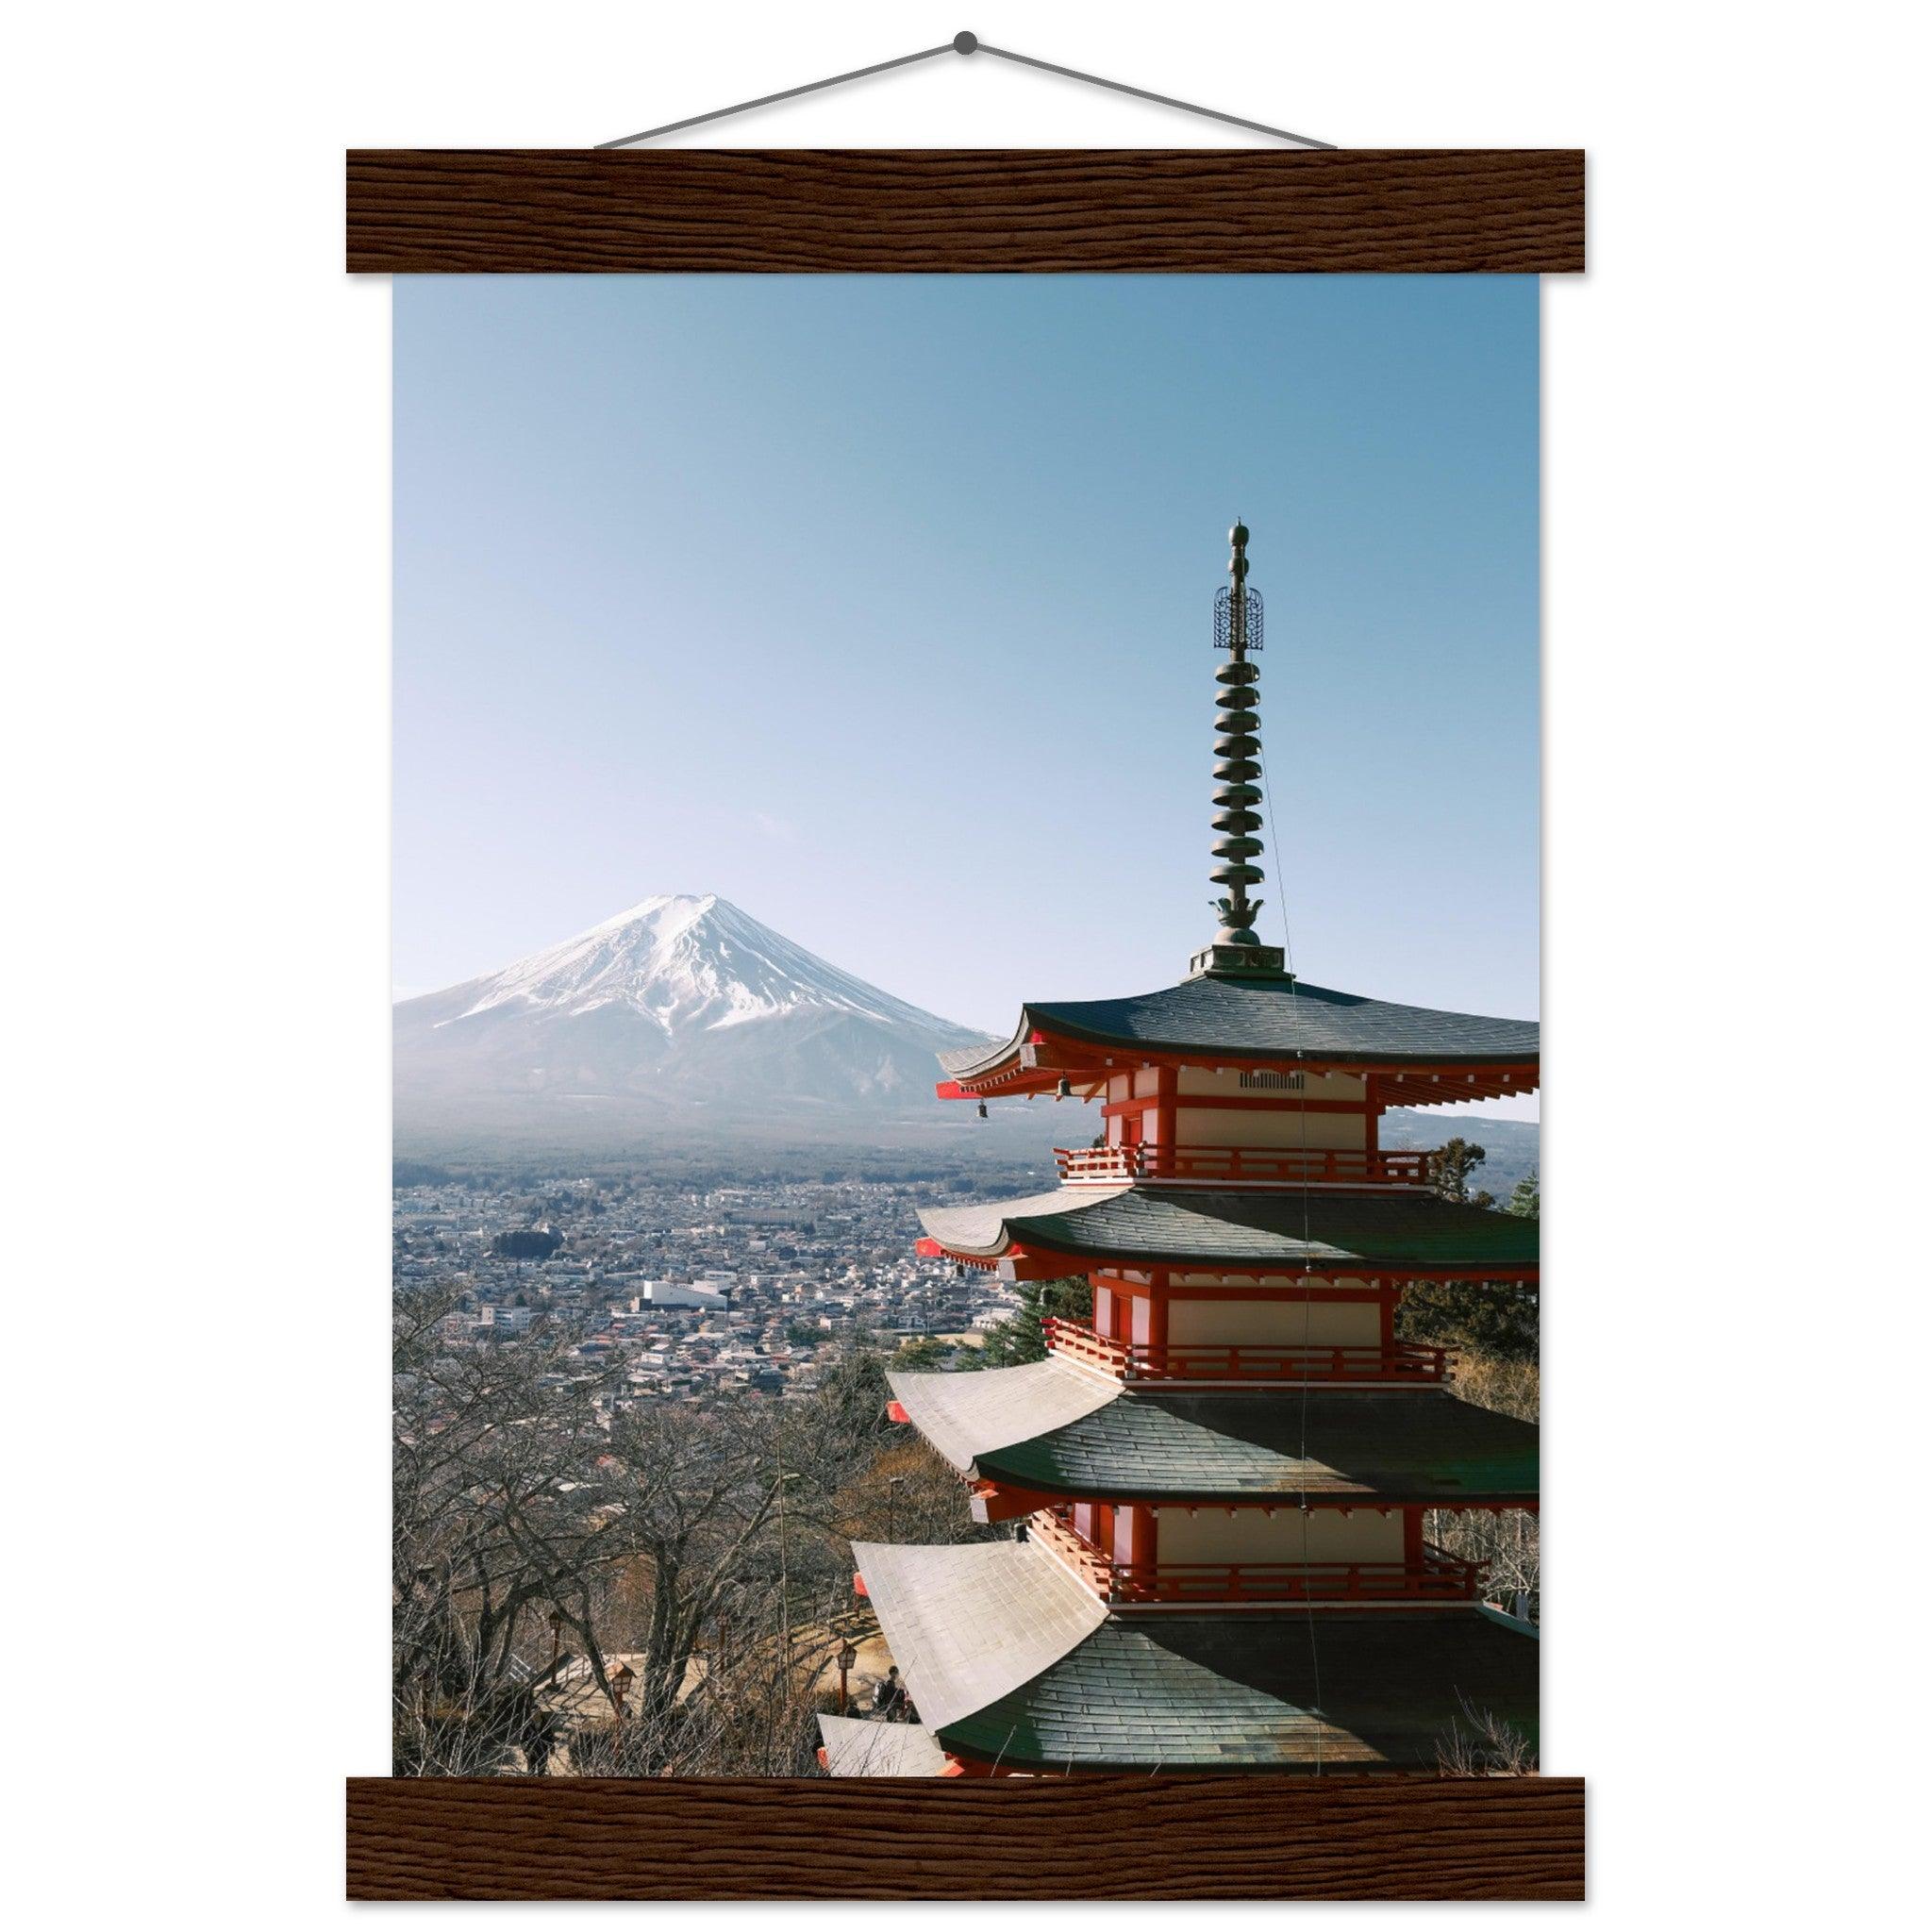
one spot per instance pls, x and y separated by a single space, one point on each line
964 1415
1261 1020
968 1623
1343 1232
1038 1428
870 1747
1229 1692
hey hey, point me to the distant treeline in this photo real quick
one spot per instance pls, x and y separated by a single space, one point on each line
425 1173
527 1243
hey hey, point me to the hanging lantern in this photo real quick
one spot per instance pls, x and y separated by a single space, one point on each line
982 1109
1065 1089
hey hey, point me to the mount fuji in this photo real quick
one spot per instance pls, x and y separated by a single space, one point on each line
682 1015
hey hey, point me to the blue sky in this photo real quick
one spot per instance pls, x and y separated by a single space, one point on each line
881 607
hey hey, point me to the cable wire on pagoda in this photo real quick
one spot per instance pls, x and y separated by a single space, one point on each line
1263 816
1275 855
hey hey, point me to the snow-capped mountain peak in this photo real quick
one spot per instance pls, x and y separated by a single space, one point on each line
681 1014
685 961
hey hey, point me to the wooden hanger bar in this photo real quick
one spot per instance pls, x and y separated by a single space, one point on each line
965 211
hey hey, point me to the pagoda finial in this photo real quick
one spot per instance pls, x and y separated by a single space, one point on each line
1237 948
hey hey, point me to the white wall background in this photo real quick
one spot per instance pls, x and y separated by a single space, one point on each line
195 781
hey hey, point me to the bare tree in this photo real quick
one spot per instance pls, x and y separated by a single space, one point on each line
1506 1543
695 1496
586 1582
1481 1744
492 1528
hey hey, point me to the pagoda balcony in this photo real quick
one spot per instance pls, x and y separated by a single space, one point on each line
1437 1578
1407 1364
1245 1167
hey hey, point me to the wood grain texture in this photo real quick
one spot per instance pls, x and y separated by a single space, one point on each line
1113 210
1102 1837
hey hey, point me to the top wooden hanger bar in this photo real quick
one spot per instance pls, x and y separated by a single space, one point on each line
965 211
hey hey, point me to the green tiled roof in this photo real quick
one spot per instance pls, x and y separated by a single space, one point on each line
1239 1692
1263 1018
1395 1229
1335 1446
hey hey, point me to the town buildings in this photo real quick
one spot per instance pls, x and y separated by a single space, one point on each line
694 1292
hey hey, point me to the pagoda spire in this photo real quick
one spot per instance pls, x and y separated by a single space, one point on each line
1237 949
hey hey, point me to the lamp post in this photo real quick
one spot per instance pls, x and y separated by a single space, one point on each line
848 1656
621 1680
555 1637
892 1483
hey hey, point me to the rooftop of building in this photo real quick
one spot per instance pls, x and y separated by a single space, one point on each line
1010 1661
865 1747
1057 1429
1266 1019
1408 1231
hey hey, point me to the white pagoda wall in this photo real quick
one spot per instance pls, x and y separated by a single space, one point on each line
1349 1086
1254 1127
1283 1121
1288 1536
1327 1325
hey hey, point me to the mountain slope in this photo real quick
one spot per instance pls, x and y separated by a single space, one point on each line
680 1014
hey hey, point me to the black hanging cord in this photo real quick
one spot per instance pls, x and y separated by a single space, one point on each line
971 43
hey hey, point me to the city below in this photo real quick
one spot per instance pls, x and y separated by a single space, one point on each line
694 1292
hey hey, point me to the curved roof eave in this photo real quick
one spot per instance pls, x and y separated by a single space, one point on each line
988 1231
1226 1692
965 1416
969 1623
1343 1448
1218 1019
1393 1231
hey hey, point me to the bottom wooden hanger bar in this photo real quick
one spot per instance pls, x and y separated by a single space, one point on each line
1095 1838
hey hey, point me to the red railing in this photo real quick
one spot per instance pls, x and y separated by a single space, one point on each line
1264 1166
1438 1578
1136 1361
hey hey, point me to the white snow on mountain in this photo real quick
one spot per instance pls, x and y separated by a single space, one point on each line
683 961
682 1011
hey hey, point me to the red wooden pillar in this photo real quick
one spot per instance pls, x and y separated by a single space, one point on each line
1103 1306
1391 1299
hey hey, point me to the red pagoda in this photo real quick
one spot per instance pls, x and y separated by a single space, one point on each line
1221 1482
